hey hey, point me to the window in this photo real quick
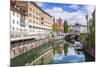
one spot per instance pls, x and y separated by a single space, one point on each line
22 21
30 14
30 26
42 18
41 22
33 27
17 22
13 28
13 21
33 16
37 18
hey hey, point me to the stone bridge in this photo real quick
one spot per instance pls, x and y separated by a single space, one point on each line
72 36
67 34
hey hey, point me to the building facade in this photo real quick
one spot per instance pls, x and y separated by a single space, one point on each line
37 23
60 25
40 22
75 28
30 26
18 20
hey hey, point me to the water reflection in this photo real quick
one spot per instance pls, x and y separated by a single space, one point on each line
63 53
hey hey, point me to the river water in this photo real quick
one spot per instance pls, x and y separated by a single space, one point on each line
64 52
55 52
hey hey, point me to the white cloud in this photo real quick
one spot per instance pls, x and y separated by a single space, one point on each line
89 9
40 4
78 16
71 17
57 9
57 12
74 6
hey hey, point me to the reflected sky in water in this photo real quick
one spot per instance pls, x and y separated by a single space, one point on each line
63 54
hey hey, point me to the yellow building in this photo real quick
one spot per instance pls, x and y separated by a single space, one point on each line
40 22
28 21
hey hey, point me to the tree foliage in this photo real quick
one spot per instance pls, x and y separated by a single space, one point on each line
54 28
82 36
65 26
91 36
92 33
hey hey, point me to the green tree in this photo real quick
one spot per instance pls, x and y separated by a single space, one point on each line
91 36
65 49
65 26
82 36
92 33
54 28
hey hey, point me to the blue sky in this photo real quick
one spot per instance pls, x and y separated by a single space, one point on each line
73 13
65 7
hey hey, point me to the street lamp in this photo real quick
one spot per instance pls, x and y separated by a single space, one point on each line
87 22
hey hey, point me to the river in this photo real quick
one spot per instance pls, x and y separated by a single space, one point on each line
66 53
55 52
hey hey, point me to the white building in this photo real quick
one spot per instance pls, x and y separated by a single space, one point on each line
29 20
78 28
75 28
18 21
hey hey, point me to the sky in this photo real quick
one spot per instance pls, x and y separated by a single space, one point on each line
73 13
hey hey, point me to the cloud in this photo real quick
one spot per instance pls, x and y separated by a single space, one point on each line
57 9
40 4
71 17
74 6
57 12
77 16
89 9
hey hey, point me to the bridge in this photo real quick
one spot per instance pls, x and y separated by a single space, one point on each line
64 35
67 34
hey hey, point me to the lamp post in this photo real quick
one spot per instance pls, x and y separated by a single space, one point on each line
87 22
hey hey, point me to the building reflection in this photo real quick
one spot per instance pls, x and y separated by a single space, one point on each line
63 53
61 48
